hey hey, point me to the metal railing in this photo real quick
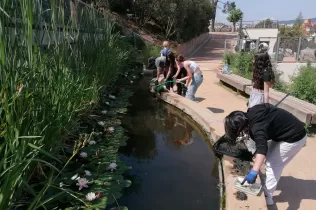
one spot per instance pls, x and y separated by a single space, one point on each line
260 24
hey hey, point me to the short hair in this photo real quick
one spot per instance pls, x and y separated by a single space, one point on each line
235 123
165 44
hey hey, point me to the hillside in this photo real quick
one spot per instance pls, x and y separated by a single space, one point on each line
292 21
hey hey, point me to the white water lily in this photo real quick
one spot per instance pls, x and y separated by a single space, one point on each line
83 154
110 129
91 196
112 166
112 96
92 142
101 123
75 177
104 112
107 103
88 173
131 82
82 182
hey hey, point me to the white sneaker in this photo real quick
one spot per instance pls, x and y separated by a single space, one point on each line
269 201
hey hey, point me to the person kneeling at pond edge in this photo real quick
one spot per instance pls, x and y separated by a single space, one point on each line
194 75
265 122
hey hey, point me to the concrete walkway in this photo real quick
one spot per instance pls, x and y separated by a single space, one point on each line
297 187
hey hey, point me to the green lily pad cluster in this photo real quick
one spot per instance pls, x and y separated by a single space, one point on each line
93 178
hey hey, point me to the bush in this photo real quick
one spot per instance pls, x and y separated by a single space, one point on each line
304 84
240 63
150 50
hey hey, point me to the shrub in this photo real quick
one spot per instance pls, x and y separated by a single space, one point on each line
279 85
304 84
150 50
240 63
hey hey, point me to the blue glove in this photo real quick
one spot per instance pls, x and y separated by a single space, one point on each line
251 176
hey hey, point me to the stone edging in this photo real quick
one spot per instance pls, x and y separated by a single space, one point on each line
212 125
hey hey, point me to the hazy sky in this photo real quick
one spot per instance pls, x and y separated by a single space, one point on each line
276 9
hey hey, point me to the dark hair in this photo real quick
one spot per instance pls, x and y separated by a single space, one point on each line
261 63
171 58
180 58
235 123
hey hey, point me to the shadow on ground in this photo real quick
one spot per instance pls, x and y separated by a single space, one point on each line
293 191
199 99
216 110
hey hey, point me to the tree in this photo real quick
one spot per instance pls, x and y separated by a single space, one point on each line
234 14
163 17
299 19
267 23
214 6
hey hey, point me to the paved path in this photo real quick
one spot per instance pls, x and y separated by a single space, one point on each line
297 187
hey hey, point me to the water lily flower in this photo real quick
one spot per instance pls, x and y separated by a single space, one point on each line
110 129
112 96
112 166
91 196
107 103
82 182
101 123
83 154
104 112
88 173
75 177
92 142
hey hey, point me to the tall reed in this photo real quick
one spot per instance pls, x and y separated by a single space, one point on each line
52 66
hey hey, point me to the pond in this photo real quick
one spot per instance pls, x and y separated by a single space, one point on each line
173 166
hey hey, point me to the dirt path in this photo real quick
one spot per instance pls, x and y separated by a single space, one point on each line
297 186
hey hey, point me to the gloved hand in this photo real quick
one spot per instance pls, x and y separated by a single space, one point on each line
251 176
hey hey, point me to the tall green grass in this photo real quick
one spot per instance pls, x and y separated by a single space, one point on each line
44 89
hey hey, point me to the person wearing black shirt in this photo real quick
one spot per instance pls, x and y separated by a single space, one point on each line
265 122
262 79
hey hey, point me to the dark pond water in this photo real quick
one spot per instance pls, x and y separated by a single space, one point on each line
172 166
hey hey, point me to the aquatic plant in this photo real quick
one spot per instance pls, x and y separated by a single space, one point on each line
53 67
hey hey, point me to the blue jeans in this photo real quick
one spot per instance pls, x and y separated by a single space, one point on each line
197 79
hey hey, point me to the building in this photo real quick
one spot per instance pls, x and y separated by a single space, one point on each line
309 28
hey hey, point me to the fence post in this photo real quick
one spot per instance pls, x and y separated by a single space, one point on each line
225 46
277 49
298 49
257 44
264 24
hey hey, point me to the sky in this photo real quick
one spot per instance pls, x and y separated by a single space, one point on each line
275 9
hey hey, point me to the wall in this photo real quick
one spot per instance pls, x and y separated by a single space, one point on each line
288 69
189 47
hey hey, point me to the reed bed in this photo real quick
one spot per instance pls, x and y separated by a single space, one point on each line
54 60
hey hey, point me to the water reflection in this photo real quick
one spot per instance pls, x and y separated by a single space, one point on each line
172 165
